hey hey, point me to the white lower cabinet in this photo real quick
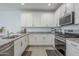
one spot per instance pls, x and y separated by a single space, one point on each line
23 44
76 9
41 39
17 48
32 39
72 49
20 45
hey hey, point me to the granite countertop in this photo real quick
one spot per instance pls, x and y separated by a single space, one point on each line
5 41
40 33
74 40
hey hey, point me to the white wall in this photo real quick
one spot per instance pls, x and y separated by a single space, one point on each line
10 19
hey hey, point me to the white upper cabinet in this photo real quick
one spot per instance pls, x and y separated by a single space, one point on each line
26 19
38 19
76 7
43 19
69 7
56 18
51 20
62 11
57 15
47 20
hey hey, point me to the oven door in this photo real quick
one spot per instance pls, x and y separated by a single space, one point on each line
60 46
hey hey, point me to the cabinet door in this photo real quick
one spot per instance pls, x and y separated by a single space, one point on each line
26 19
43 39
50 20
76 13
17 48
69 7
47 19
23 44
50 39
32 39
57 16
27 40
62 10
38 39
44 18
36 17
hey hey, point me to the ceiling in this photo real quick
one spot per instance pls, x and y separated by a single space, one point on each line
29 6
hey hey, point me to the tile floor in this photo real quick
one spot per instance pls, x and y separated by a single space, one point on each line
39 51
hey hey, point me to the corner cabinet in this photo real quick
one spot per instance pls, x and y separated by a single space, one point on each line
20 45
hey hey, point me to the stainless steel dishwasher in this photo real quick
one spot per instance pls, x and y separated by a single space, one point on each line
7 49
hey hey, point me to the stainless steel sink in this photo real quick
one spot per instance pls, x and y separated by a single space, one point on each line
11 37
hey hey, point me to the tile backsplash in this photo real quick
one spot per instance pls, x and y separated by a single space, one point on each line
39 29
75 28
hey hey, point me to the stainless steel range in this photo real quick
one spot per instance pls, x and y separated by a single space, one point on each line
60 44
60 39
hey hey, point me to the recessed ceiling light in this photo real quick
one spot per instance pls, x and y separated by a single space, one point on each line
22 3
49 4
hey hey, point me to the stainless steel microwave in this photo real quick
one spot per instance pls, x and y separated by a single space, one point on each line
67 19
